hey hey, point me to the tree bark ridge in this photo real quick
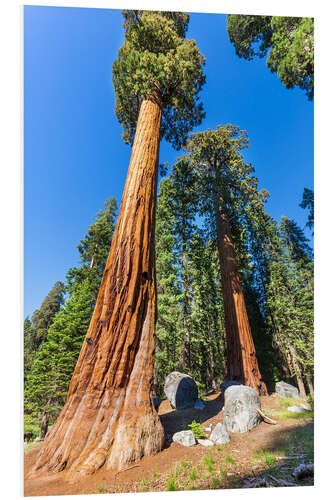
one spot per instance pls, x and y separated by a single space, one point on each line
108 418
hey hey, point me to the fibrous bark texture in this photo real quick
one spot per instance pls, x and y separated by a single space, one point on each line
242 364
109 419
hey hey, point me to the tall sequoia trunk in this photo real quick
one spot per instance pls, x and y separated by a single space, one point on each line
109 419
242 364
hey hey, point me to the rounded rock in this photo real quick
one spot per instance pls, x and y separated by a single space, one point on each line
240 414
181 390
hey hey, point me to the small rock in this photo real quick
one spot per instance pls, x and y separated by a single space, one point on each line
186 438
220 434
205 442
286 390
199 404
297 409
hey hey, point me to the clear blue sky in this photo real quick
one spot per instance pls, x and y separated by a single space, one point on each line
74 157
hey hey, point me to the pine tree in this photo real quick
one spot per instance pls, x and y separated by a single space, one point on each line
308 202
207 327
109 418
169 343
29 350
289 42
290 298
184 207
43 317
94 249
47 384
35 330
55 361
229 192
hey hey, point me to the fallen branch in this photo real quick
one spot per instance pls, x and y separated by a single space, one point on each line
282 481
290 458
119 471
265 418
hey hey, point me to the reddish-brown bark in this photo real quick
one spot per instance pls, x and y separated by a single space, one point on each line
109 419
242 364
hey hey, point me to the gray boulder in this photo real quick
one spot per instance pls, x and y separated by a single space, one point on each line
286 390
181 390
297 409
240 414
220 434
199 404
186 438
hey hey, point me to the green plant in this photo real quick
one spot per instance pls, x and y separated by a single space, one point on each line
215 482
287 402
256 456
295 416
171 484
269 458
209 463
101 488
143 485
155 474
197 431
193 474
229 460
185 463
175 471
219 447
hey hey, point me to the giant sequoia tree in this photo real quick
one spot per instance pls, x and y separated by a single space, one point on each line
229 192
109 418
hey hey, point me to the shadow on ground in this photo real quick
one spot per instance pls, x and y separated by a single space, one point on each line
177 420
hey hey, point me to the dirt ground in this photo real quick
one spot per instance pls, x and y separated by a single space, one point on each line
264 457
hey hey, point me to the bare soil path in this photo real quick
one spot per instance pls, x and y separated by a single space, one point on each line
265 456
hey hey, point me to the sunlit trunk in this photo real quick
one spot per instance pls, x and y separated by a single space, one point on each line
109 419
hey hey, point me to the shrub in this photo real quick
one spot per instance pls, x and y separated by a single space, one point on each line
197 431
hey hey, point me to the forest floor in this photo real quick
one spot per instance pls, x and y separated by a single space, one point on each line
264 457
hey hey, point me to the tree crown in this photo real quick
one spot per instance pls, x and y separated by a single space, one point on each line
157 62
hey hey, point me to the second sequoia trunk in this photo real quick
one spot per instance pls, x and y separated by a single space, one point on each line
242 364
109 418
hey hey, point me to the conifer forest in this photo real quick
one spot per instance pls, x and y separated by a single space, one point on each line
189 312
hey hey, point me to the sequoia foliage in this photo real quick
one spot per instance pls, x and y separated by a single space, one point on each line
288 42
